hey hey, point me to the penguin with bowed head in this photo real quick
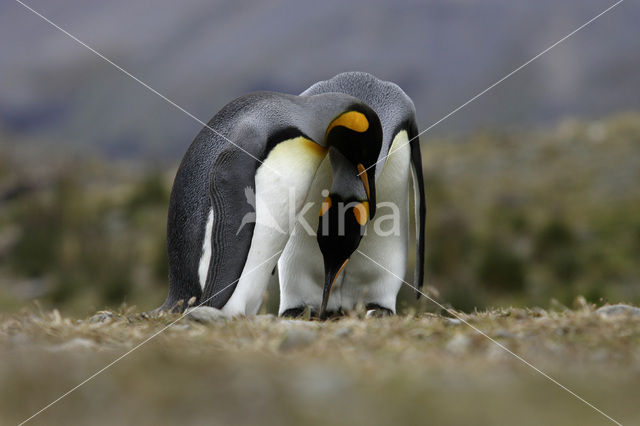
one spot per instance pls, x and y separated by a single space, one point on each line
386 241
233 205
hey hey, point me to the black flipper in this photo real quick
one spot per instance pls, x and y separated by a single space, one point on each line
187 217
232 175
213 175
421 208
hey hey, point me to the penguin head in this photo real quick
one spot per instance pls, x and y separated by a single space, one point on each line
356 134
340 229
344 214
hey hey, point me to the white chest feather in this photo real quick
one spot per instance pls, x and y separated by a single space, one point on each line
301 267
281 189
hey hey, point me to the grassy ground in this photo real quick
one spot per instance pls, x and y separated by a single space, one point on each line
421 369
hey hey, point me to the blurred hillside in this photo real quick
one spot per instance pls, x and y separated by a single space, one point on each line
202 54
513 217
536 215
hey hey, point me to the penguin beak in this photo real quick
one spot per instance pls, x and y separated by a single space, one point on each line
331 274
369 188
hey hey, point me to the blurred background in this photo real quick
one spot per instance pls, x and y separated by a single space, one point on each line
532 190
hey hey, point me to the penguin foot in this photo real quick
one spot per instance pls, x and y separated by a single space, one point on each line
300 312
329 315
376 311
176 307
294 312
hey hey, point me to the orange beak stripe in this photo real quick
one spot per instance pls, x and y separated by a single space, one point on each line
338 274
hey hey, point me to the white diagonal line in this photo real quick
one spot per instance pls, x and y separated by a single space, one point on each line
497 83
67 393
500 345
451 312
145 85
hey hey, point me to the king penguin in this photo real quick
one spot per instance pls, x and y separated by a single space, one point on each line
302 283
231 212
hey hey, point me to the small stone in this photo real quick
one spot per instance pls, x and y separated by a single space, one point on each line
619 309
298 338
206 315
101 317
378 313
452 321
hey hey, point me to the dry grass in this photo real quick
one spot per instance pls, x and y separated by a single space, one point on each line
264 370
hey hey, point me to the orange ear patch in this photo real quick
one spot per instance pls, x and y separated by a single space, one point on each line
352 120
361 212
338 274
326 205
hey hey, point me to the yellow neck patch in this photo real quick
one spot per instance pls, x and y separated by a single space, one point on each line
313 146
352 120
